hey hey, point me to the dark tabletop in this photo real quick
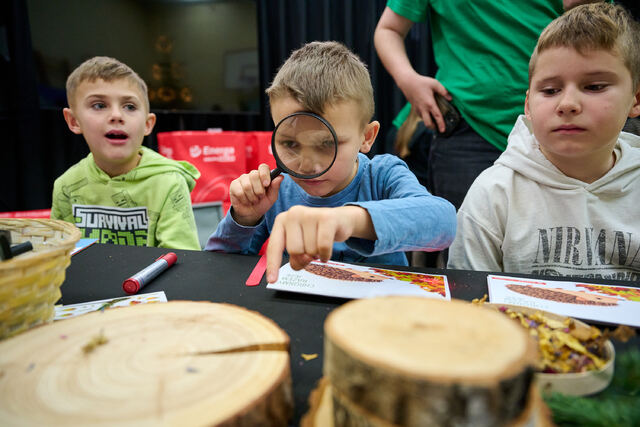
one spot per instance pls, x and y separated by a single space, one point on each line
98 271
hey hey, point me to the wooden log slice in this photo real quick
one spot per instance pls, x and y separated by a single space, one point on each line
179 363
415 361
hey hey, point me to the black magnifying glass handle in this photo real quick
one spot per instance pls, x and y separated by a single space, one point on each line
275 172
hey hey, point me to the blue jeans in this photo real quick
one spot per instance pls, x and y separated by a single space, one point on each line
456 161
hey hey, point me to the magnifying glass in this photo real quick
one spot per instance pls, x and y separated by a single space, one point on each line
304 145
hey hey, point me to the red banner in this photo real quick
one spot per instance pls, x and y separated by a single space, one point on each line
38 213
219 156
259 150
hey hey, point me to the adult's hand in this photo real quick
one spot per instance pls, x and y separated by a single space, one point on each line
420 92
389 41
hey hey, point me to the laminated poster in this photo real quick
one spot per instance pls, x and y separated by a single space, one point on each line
600 303
343 280
72 310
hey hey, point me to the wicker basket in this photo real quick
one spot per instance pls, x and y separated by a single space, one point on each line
30 282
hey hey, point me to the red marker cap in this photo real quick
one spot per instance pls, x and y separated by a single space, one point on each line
170 257
131 286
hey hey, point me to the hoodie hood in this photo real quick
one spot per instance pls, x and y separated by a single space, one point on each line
523 155
150 164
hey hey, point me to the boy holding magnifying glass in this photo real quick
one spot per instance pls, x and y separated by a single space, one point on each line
352 209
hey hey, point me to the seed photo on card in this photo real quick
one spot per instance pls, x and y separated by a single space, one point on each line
344 280
602 303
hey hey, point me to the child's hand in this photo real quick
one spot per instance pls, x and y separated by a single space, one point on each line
309 233
253 194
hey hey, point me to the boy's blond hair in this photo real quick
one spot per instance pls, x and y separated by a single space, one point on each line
597 26
320 74
107 69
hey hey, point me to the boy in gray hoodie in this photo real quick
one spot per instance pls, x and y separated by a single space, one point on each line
562 200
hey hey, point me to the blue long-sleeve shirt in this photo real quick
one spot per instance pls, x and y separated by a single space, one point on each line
405 216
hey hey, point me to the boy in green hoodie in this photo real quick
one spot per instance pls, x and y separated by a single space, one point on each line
122 192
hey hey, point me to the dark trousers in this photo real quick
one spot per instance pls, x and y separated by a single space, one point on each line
456 161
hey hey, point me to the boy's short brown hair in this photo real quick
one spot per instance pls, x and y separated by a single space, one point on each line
107 69
320 74
596 26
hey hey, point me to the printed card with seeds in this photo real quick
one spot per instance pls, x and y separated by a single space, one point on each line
344 280
600 303
72 310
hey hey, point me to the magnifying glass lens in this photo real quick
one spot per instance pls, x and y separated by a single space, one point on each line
304 145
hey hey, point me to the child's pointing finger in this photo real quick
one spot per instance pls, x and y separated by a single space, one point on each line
275 248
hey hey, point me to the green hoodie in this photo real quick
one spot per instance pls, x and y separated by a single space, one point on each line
147 206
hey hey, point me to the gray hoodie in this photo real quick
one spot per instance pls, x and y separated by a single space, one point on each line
523 215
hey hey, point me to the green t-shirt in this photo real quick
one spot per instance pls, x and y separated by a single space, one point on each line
402 116
147 206
482 49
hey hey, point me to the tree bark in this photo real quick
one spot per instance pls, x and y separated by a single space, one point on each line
416 361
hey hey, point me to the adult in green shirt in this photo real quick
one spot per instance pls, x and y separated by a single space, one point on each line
482 50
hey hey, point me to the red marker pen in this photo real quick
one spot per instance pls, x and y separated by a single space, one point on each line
143 277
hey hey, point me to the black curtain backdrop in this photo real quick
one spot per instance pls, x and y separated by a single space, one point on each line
23 162
37 146
285 25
